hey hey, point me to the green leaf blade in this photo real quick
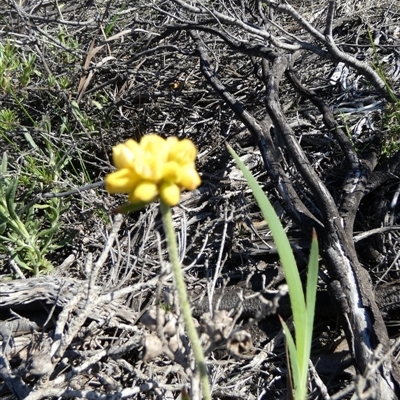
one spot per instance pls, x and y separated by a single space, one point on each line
281 241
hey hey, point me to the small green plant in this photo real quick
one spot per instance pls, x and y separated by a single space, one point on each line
69 43
28 232
303 305
377 65
391 116
8 64
64 82
27 70
391 123
8 121
110 26
15 67
81 117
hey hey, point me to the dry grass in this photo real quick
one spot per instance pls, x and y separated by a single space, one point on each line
77 79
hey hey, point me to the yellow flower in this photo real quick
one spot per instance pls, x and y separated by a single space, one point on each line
154 167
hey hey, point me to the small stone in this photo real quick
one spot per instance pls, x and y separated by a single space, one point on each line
39 365
152 347
149 318
239 342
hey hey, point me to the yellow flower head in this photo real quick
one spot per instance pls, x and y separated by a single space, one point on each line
154 167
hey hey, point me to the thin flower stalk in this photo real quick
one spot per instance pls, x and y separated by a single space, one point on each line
161 168
183 299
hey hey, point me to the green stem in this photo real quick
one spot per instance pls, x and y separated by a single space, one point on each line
183 299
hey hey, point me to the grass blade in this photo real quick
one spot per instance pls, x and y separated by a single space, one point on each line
292 355
282 244
312 281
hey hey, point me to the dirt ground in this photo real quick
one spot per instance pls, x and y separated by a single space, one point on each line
304 91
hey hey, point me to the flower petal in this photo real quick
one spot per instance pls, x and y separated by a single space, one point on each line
189 179
145 191
156 146
125 154
183 152
149 168
170 193
171 171
121 181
